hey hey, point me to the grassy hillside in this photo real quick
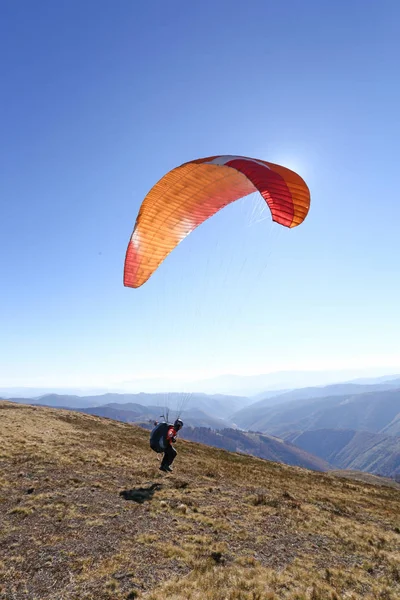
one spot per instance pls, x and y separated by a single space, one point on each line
86 514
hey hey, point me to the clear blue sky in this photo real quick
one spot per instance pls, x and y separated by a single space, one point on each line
99 99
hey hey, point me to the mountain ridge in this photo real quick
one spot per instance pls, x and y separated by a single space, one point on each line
374 453
372 411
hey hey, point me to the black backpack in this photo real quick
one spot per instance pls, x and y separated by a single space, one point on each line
158 437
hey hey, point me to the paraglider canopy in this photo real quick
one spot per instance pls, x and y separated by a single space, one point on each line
193 192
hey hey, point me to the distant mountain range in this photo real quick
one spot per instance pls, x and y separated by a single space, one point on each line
355 450
217 405
375 411
136 413
263 446
336 389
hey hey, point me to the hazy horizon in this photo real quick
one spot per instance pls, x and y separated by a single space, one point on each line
229 384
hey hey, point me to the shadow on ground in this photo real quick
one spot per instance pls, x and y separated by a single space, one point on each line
142 494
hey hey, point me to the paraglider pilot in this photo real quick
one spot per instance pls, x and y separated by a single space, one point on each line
170 452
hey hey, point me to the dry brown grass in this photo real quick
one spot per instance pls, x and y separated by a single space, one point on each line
224 527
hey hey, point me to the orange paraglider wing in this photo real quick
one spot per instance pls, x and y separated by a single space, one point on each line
188 195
